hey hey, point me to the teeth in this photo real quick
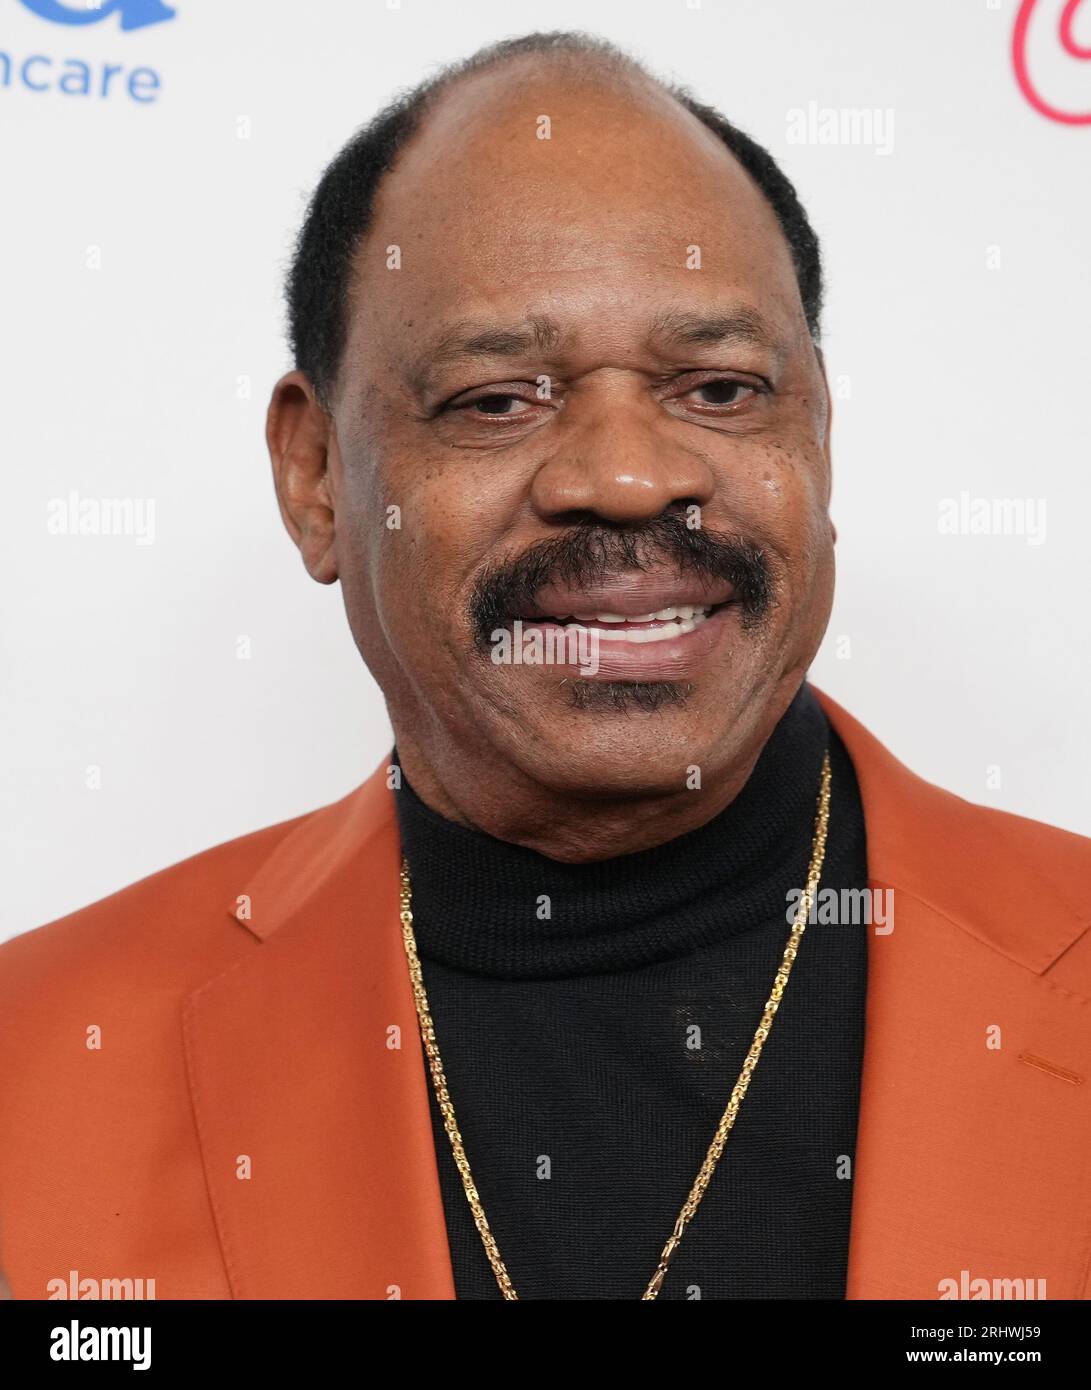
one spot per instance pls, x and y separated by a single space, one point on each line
665 630
681 613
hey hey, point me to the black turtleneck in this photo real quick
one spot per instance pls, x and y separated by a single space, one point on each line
590 1053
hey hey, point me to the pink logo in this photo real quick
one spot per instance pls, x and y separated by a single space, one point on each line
1070 46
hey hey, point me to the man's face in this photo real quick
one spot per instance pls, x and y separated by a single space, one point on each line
586 383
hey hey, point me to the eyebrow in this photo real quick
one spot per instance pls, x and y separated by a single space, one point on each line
468 339
540 333
680 328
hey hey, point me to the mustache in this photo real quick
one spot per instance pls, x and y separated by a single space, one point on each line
593 551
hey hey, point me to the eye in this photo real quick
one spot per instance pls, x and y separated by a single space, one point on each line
724 391
500 403
494 405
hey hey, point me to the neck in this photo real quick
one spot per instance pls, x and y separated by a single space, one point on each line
478 900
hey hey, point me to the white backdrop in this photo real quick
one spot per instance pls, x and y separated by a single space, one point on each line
145 233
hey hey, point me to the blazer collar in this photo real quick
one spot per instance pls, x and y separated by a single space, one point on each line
304 1059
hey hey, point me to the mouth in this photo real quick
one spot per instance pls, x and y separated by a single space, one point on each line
642 628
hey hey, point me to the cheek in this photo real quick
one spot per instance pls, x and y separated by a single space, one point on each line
781 499
451 518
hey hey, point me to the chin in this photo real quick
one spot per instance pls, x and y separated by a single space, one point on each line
624 739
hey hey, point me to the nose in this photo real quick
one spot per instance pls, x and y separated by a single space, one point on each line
621 462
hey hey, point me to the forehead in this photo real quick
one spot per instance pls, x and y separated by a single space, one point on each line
629 205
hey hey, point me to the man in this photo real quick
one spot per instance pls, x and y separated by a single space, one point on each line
559 426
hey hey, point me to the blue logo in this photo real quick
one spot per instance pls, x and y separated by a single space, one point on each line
135 14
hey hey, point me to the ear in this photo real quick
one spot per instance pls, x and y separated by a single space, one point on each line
298 433
829 431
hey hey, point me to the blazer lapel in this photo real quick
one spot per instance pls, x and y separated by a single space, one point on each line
974 1087
305 1063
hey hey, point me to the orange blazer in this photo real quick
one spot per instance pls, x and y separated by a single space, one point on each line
214 1078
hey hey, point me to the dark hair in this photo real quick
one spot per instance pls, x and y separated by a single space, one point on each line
339 212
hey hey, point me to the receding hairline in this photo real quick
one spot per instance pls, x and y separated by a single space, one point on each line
598 65
627 77
341 210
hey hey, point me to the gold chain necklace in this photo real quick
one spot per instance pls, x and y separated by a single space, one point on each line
727 1122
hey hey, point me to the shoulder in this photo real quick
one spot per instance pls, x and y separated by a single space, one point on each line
1048 848
911 814
1014 884
173 930
164 933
